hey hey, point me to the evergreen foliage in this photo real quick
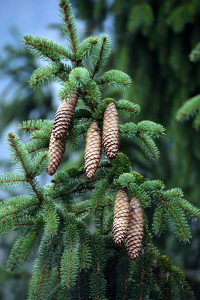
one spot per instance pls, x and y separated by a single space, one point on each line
69 221
191 108
153 48
151 42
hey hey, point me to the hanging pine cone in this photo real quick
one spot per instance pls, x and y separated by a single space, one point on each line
64 116
92 149
121 217
110 131
135 229
56 151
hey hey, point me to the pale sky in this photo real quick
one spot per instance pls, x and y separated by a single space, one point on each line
29 16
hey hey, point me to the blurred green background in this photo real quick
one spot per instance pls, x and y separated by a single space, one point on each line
151 41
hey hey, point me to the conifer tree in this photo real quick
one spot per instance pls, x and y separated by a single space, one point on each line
70 221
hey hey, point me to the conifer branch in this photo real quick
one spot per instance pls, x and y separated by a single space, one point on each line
49 73
86 185
84 49
25 165
24 224
147 145
22 248
127 106
101 54
47 48
34 125
192 211
179 223
98 194
16 211
158 222
41 268
42 160
69 21
189 109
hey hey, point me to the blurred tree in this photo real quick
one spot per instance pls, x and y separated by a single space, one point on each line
18 101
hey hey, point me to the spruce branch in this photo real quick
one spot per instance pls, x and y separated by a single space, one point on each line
147 145
190 210
41 268
34 125
85 48
69 261
179 223
22 155
12 179
98 193
159 222
40 163
79 77
152 185
22 248
50 216
101 53
127 106
189 109
52 72
91 95
153 129
128 130
69 25
116 78
46 49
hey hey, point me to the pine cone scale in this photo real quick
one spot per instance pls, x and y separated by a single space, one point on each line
56 151
135 229
110 135
121 217
92 149
64 115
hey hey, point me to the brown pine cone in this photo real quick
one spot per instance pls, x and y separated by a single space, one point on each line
121 217
110 131
92 149
64 116
56 151
135 229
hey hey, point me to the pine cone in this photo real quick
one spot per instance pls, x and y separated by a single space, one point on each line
64 116
121 217
56 150
135 229
110 131
92 149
